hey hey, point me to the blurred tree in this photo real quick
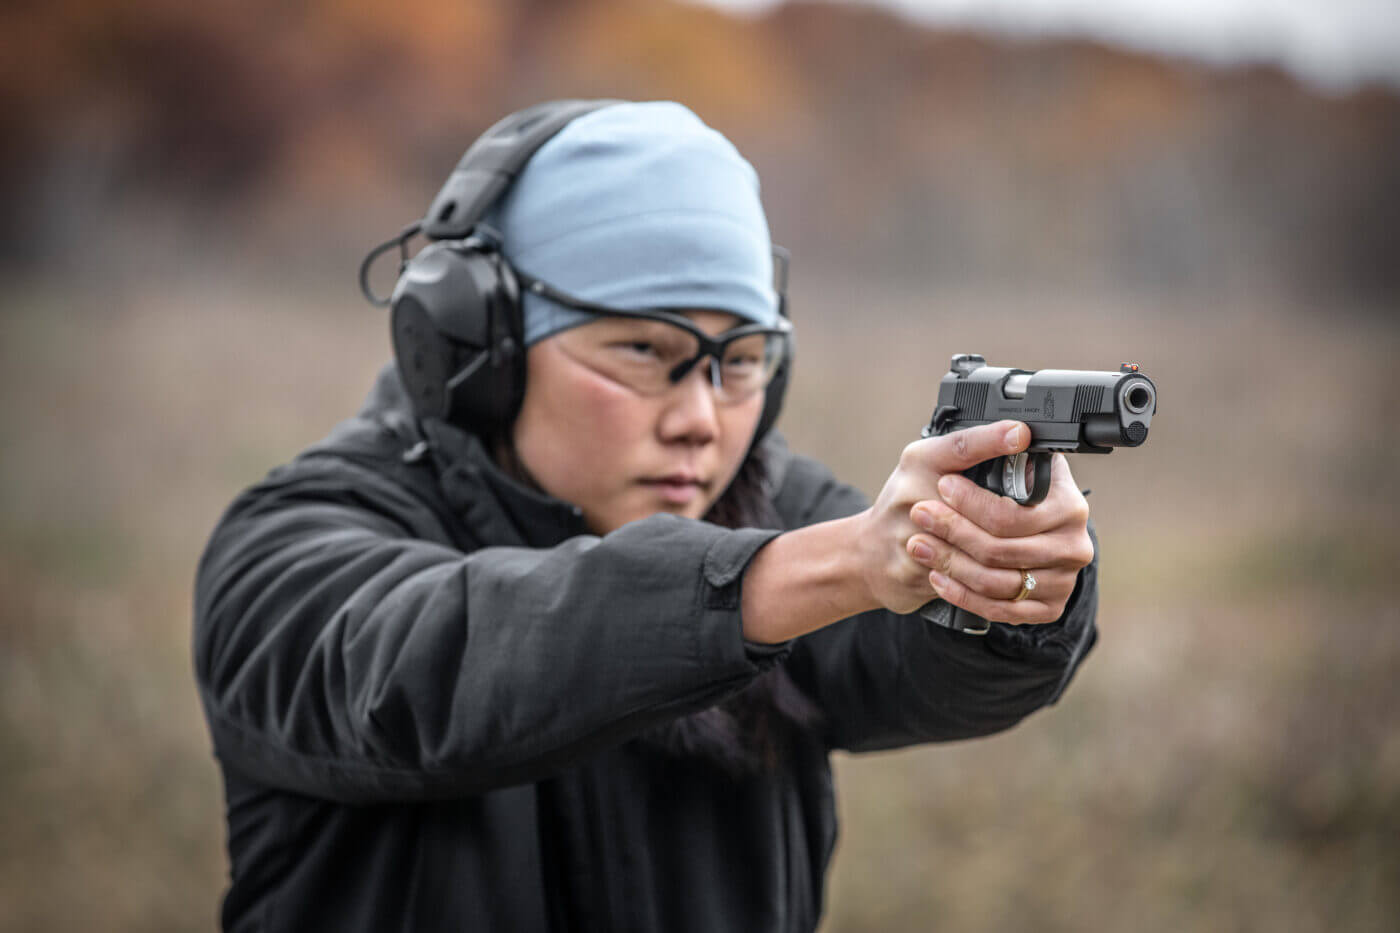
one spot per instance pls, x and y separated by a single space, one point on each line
882 145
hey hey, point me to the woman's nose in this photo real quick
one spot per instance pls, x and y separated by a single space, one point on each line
690 412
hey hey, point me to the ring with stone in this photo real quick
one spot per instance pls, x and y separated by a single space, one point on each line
1027 586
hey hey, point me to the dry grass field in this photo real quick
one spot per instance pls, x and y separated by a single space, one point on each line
1228 759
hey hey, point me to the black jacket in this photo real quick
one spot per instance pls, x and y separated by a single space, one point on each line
424 684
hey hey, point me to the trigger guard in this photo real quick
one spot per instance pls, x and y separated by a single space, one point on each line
989 475
1040 479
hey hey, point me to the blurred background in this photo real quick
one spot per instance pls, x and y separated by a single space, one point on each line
1211 190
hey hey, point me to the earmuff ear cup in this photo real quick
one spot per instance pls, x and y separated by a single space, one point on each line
456 328
426 360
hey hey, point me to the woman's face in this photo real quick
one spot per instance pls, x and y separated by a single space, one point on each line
620 455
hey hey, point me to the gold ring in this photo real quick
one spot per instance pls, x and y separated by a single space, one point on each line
1027 586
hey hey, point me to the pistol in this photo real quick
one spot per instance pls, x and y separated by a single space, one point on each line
1067 410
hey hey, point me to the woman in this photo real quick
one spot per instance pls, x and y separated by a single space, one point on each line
580 665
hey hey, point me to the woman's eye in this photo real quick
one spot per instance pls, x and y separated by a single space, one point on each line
640 352
743 359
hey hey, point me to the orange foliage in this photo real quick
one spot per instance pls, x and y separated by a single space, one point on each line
873 135
730 74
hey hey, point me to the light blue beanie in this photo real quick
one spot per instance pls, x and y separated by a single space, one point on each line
638 205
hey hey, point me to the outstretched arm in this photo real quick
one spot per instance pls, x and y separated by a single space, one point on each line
344 650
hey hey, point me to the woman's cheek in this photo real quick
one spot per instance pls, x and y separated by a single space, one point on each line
607 407
601 436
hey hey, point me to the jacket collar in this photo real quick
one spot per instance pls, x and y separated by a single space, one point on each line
491 500
496 508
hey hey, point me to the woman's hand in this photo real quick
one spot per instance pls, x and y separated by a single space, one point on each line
933 532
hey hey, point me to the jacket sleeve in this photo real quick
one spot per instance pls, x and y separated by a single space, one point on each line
884 680
339 654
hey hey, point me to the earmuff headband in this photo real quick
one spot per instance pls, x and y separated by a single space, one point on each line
492 163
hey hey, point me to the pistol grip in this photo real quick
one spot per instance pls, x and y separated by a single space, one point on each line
950 616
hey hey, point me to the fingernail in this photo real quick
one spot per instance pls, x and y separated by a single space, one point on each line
924 519
1013 437
946 486
940 582
921 551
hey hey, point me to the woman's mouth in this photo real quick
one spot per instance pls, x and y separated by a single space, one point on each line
676 488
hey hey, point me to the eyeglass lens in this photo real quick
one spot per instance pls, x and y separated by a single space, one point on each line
644 354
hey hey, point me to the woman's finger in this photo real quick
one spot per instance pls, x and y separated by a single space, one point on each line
947 524
1029 611
1051 585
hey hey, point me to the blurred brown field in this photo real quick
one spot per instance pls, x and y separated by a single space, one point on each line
1228 759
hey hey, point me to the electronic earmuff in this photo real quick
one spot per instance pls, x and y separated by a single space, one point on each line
456 329
455 316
